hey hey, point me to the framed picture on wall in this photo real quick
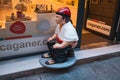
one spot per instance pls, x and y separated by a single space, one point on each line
94 1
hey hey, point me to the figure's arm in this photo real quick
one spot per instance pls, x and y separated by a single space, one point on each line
62 45
53 37
65 44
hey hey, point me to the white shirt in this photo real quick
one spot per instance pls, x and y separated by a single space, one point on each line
67 32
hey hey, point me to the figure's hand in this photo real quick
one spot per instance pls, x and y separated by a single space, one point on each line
49 39
57 45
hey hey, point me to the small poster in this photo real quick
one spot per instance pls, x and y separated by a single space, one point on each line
98 27
18 27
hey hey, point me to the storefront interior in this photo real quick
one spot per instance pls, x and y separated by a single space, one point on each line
101 21
90 40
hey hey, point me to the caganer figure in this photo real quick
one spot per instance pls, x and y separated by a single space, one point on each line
64 39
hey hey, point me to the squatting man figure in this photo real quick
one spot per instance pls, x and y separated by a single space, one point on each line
64 39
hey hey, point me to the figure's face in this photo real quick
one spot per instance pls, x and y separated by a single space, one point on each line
59 19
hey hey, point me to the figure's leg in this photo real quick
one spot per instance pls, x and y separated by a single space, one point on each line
70 53
58 55
49 45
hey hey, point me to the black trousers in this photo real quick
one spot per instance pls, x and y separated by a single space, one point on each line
59 55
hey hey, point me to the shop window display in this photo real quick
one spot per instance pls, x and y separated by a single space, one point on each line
25 10
29 20
13 10
18 13
28 13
